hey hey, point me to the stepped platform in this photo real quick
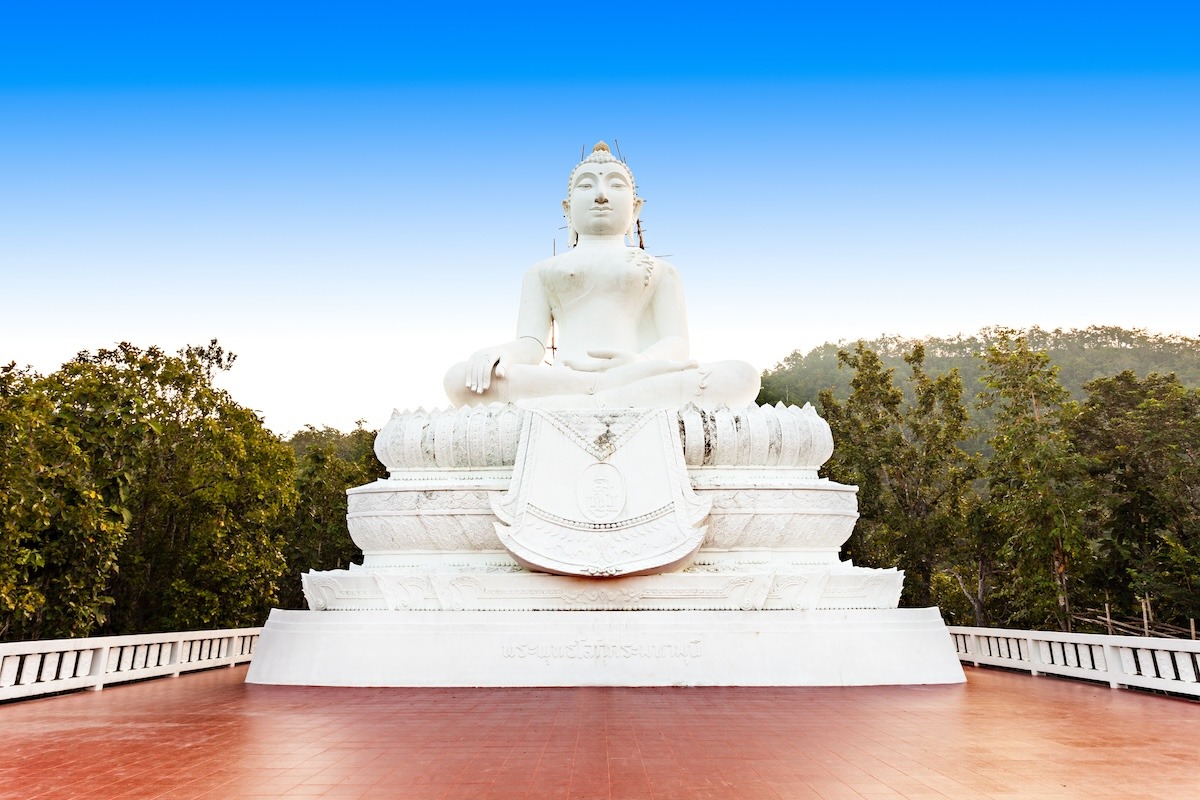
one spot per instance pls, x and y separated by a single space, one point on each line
999 736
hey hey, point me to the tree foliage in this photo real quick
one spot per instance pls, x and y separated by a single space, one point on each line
1035 495
1140 439
1040 506
1081 355
315 535
906 459
160 496
59 536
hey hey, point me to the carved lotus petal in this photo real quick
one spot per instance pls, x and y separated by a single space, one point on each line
485 437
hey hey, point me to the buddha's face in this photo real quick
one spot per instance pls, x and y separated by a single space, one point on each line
602 202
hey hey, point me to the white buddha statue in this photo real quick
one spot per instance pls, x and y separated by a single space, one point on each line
622 337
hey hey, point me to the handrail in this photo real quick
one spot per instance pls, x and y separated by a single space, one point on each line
28 669
1169 665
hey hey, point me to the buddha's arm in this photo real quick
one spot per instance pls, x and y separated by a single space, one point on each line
670 317
533 325
533 314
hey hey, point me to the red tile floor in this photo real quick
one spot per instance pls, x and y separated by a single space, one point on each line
208 735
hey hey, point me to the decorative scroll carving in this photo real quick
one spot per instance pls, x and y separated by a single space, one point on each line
876 588
342 590
799 591
401 592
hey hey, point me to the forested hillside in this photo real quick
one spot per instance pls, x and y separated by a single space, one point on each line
1080 355
1024 479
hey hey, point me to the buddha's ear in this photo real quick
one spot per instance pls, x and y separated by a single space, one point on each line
637 210
572 234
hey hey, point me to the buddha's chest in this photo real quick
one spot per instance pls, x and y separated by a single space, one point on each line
621 278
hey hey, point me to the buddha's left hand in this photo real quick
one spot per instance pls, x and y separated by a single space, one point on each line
603 360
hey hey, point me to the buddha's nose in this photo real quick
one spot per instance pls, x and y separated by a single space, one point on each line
601 197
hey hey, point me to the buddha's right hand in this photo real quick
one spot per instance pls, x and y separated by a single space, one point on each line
497 360
479 368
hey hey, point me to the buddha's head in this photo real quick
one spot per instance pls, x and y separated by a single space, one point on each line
601 196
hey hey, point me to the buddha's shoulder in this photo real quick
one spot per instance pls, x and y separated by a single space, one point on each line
554 261
573 260
628 253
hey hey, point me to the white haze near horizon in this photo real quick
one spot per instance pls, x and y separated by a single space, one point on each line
348 257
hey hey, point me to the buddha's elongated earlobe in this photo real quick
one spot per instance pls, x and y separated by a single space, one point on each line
572 234
637 212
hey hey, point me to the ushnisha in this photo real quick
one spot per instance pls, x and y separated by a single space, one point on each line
622 337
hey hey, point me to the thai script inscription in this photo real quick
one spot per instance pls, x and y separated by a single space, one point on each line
588 650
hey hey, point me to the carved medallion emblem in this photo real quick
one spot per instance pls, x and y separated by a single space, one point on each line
600 493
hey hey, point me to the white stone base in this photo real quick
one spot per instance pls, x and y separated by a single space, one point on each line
605 648
716 586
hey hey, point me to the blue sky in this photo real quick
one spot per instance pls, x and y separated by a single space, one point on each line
347 194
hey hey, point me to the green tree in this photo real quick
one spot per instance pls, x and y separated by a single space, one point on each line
914 479
1036 496
214 522
197 480
1141 439
974 559
801 378
59 538
328 462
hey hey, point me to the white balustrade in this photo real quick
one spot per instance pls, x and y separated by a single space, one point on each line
28 669
1169 665
47 666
